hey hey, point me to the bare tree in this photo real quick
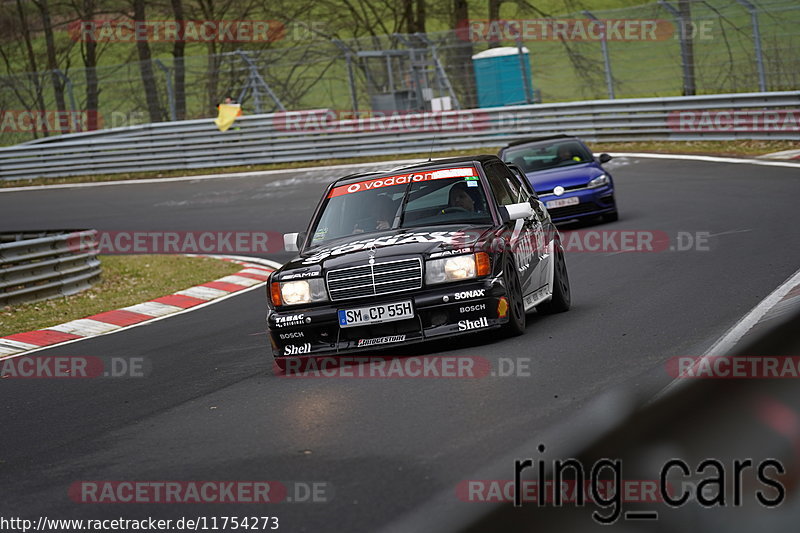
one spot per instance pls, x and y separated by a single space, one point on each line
52 62
687 40
146 66
32 64
178 52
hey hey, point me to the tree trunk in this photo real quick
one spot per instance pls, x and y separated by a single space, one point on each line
494 15
462 56
34 75
689 85
408 16
179 85
52 66
146 66
421 16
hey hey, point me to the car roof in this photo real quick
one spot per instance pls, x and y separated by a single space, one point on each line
538 139
433 164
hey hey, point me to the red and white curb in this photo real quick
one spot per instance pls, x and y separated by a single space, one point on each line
254 275
785 154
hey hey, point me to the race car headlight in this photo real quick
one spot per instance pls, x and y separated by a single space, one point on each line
456 268
599 181
298 292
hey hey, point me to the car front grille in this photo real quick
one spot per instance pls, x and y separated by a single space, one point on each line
573 210
374 280
548 192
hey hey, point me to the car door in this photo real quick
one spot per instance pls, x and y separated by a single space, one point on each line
538 227
522 233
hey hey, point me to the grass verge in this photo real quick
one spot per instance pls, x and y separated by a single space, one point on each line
744 148
126 280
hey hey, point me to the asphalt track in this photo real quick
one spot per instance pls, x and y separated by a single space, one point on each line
210 409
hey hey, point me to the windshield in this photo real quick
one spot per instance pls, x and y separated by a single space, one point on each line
422 198
544 155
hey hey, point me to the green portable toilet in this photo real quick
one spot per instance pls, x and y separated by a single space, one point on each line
499 77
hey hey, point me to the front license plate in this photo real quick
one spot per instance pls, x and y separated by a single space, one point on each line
375 314
562 202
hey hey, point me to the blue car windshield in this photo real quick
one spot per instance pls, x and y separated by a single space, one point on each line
546 155
416 199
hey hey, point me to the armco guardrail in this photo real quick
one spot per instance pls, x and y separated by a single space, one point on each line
310 135
40 265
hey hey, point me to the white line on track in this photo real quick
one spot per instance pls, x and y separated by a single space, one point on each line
725 344
712 159
709 158
233 175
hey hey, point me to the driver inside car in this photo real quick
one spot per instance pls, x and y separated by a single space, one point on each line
383 211
567 153
462 197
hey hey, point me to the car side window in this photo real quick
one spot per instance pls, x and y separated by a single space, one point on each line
522 182
498 176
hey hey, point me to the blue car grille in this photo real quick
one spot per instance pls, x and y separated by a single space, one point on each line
573 210
374 280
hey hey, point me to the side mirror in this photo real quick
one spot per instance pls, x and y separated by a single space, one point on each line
604 158
516 211
291 241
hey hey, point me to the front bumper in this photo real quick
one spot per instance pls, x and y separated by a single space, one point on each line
592 203
447 310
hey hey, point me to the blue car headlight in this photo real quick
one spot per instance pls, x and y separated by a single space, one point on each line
599 181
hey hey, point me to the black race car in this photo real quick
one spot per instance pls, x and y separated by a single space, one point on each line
432 250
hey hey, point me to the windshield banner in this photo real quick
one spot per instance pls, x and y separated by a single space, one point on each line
401 179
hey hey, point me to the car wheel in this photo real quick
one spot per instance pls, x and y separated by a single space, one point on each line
561 299
611 217
516 305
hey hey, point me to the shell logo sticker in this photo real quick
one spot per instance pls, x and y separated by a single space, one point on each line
502 307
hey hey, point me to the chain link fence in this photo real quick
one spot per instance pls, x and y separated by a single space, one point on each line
728 46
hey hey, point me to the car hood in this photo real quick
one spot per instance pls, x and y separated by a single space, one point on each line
572 176
357 249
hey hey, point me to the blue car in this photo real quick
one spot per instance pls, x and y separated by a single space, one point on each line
568 178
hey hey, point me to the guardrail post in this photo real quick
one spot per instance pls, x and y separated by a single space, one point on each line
689 88
762 78
348 56
255 80
71 95
170 92
606 58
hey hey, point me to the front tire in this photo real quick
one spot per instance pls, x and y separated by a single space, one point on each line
562 297
516 305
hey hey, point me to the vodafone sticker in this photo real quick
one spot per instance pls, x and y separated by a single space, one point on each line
402 179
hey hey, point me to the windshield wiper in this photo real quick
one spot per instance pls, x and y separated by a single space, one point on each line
401 211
